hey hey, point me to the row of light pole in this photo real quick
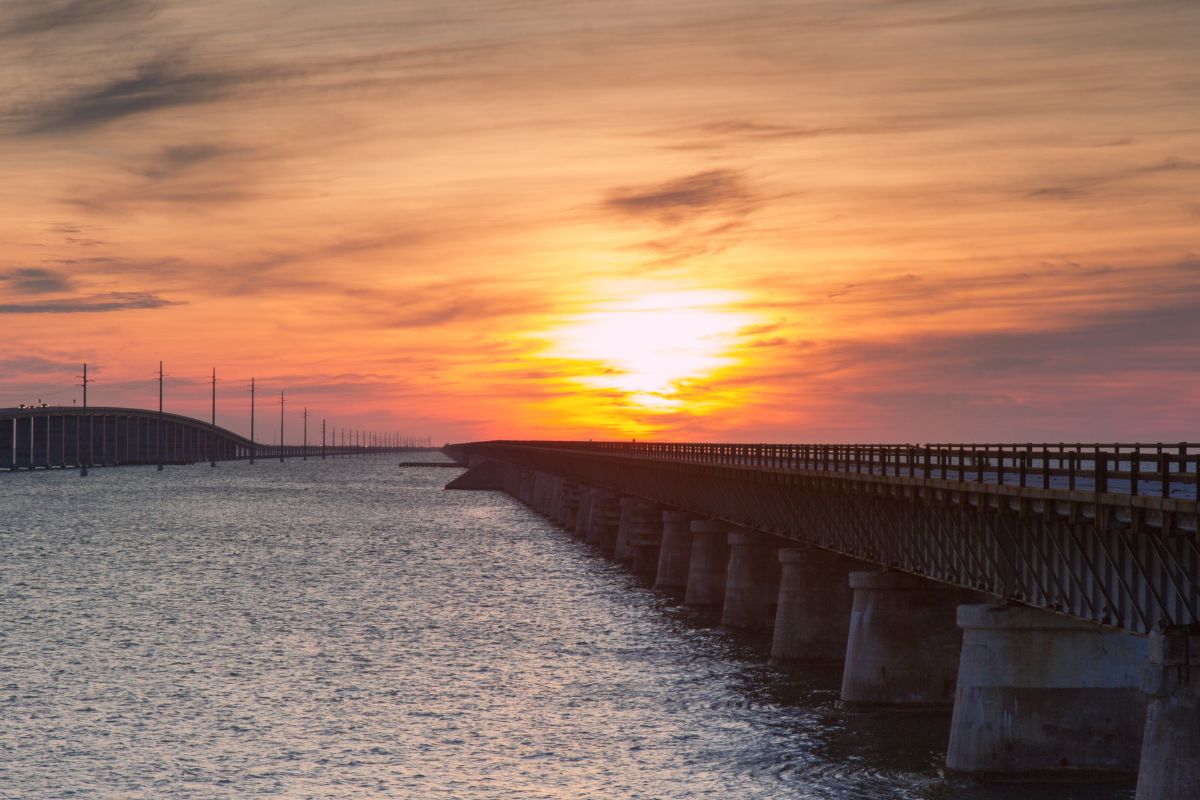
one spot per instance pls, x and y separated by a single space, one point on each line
356 437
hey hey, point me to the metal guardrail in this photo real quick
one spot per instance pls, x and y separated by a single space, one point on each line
1159 469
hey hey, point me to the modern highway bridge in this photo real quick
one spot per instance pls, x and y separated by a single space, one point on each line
1051 592
62 437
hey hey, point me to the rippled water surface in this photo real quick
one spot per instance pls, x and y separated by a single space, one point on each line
347 629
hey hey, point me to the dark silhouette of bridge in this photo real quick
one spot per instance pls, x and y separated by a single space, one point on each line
62 437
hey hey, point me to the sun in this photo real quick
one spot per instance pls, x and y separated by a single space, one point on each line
648 349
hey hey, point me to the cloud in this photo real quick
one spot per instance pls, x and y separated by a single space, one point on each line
44 16
111 301
1081 187
32 365
682 198
700 215
35 280
155 85
177 158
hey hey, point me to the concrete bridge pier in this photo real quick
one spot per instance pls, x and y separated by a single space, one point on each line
606 516
815 600
541 493
537 499
587 508
568 505
592 529
621 549
574 494
903 644
675 552
751 581
634 511
1170 759
583 513
546 492
645 539
525 487
1040 695
534 489
707 566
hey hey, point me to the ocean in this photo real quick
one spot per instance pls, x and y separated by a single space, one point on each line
347 629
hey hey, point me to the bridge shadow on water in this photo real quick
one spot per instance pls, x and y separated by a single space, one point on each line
844 741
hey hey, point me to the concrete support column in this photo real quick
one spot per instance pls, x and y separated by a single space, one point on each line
525 487
621 549
633 512
549 494
583 513
1170 760
1041 695
605 514
538 493
583 517
568 505
541 492
554 498
815 600
675 552
904 641
584 525
645 538
706 569
751 581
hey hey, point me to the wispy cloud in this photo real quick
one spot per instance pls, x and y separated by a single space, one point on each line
175 159
677 200
154 85
35 280
29 17
98 303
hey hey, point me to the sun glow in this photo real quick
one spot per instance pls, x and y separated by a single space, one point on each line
649 350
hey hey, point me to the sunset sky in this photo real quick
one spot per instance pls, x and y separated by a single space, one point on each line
928 220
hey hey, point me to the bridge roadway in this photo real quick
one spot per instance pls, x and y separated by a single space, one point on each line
1056 586
66 436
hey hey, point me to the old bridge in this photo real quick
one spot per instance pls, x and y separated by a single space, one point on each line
1050 592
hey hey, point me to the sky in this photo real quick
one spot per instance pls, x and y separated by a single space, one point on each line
846 221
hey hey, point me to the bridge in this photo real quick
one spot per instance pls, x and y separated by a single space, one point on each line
1049 592
66 436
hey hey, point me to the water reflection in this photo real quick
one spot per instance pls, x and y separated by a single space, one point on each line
344 629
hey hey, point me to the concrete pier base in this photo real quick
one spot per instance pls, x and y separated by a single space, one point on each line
1170 760
634 512
903 644
706 568
675 552
546 492
558 501
621 549
751 581
812 623
1043 696
590 528
583 513
574 495
645 540
606 516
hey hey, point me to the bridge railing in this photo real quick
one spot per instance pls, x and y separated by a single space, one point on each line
1159 469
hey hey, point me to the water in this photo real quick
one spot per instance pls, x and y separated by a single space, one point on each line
346 629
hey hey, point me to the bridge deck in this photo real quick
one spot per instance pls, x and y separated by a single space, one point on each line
1159 469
